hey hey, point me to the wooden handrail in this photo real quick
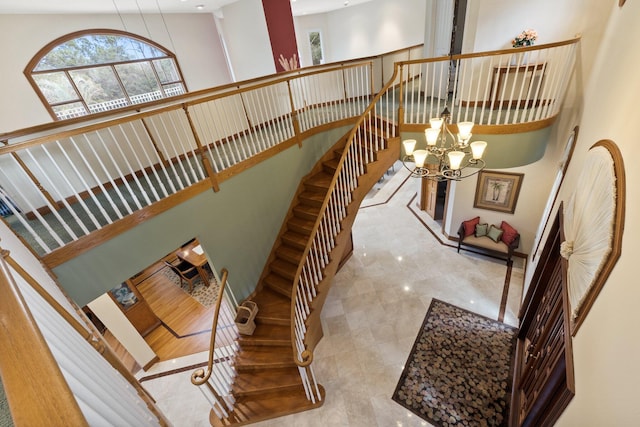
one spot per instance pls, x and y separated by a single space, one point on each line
34 399
216 166
188 98
224 90
201 376
307 355
494 52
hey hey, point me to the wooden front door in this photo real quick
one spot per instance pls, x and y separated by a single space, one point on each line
429 192
429 196
543 378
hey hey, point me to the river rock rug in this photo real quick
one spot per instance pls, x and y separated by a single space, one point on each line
205 295
459 369
5 413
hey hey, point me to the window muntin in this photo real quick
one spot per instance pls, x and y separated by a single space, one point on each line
96 85
86 73
56 87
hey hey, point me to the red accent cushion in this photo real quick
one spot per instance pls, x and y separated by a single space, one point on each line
470 226
509 233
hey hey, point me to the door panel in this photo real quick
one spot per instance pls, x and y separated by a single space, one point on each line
543 377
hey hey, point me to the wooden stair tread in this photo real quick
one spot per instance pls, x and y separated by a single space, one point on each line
331 165
284 268
260 382
300 225
273 307
313 198
279 284
277 335
267 357
289 253
306 211
294 239
268 407
321 180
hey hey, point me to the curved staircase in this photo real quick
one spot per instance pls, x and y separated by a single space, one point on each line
268 381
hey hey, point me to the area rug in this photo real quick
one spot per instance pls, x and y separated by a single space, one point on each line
459 370
5 413
205 295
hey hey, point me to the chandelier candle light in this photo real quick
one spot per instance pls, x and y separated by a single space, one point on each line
453 154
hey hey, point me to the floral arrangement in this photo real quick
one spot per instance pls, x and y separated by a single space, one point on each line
525 38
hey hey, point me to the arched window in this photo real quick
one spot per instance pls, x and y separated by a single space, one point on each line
99 70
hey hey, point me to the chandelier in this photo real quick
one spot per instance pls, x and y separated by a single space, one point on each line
453 154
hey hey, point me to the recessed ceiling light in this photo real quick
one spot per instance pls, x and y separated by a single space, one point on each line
346 3
200 7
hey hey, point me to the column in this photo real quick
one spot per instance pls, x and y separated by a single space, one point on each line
282 33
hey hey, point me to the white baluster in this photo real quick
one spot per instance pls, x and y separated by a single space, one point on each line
77 196
169 158
53 209
140 167
123 178
7 201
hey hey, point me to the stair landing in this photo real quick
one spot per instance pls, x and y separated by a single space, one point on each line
257 409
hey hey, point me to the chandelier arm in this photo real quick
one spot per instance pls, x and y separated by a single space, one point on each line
474 162
415 172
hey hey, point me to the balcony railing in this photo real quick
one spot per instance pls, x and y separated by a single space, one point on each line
64 181
55 370
513 87
115 104
71 172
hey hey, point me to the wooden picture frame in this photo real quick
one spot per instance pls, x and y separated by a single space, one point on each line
498 191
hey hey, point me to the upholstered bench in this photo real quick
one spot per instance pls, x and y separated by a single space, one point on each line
501 240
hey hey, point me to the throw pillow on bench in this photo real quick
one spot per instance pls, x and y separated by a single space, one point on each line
505 232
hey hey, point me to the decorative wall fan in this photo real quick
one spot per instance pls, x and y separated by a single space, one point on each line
593 226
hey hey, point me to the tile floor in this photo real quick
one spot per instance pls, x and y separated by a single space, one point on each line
372 315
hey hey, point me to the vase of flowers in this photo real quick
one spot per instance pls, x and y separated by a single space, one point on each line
525 38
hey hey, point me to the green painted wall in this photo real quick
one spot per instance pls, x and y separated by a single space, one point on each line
504 151
236 227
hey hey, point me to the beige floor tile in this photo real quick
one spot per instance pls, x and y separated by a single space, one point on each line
372 315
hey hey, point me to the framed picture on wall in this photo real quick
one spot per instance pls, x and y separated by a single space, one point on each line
497 191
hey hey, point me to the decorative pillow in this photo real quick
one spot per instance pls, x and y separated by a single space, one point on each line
509 234
481 230
494 233
470 226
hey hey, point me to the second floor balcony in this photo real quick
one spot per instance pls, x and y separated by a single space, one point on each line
69 186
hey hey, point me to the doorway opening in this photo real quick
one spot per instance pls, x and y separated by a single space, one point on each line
172 314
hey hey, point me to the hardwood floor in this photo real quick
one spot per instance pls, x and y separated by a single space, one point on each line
186 324
174 306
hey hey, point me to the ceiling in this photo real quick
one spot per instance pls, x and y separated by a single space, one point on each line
298 7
